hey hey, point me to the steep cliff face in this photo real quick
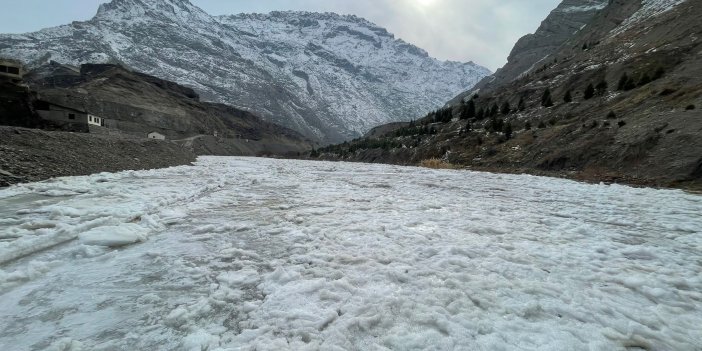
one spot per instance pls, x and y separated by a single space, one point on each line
565 21
619 99
330 77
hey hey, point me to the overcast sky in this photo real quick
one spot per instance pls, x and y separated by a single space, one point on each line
482 31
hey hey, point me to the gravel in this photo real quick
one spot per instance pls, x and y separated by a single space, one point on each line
30 155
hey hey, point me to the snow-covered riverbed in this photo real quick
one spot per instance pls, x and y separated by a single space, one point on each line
259 254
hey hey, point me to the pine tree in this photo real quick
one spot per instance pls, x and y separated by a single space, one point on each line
645 79
468 110
589 92
546 100
507 130
494 110
568 97
480 114
623 81
506 109
630 84
601 88
496 124
521 106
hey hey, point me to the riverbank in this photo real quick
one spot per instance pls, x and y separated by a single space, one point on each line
30 155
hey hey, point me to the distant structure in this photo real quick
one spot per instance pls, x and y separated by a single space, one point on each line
68 118
96 121
11 70
157 136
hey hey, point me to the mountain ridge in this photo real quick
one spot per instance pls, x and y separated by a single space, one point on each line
330 77
568 18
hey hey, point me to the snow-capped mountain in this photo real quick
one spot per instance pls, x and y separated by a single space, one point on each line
328 76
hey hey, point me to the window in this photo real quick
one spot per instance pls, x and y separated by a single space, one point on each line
3 69
13 70
71 116
90 118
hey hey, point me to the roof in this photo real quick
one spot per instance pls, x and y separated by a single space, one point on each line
62 106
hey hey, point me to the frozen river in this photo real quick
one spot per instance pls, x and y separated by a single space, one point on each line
260 254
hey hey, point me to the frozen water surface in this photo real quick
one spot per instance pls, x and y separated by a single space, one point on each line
259 254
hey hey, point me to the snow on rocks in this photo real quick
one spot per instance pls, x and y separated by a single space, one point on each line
649 9
246 253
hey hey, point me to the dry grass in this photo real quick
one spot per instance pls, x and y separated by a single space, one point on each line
436 164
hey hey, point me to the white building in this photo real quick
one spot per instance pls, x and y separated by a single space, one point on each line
157 136
96 121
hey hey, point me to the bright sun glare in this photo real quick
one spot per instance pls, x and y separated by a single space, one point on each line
425 3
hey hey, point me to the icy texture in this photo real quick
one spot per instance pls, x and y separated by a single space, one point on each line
247 254
582 6
649 8
329 76
114 236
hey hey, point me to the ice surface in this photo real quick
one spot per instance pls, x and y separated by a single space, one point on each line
114 236
244 254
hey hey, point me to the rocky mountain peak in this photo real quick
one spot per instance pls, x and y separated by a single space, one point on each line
331 77
163 10
567 19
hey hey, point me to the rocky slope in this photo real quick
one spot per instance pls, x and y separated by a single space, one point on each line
136 104
132 104
330 77
30 155
618 100
571 16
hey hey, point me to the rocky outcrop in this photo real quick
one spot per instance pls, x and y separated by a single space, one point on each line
533 50
327 76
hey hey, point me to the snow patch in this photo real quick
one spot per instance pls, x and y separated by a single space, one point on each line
648 10
114 236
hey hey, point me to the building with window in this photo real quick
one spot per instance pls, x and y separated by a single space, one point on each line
11 70
96 121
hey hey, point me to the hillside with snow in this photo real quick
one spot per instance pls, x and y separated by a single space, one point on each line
328 76
602 91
